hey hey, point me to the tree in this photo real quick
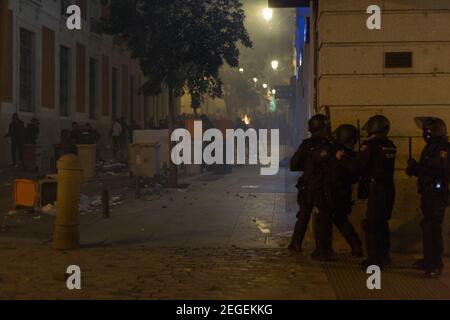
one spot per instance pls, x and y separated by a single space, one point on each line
181 44
240 92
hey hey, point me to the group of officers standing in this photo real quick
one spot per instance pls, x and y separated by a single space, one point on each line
330 167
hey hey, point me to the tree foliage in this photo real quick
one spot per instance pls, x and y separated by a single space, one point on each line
181 43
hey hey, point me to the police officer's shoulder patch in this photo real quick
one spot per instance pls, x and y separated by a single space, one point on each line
324 153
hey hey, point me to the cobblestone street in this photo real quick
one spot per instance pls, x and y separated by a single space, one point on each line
153 248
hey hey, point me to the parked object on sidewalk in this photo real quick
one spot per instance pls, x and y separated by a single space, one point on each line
46 192
160 137
105 204
87 156
31 194
25 194
144 159
66 233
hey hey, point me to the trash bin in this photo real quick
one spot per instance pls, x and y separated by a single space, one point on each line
87 156
144 159
25 193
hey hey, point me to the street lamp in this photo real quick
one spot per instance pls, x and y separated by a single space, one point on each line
268 14
274 92
275 64
255 80
265 85
241 70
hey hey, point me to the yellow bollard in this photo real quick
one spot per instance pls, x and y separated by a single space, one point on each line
66 234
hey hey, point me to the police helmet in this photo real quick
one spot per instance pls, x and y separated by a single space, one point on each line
377 124
319 123
345 134
432 127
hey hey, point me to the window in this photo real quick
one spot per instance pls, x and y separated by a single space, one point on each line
398 60
114 92
93 90
27 71
64 81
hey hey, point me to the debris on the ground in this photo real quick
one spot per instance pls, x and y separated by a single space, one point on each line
262 225
94 204
37 218
284 234
49 209
111 168
250 187
12 212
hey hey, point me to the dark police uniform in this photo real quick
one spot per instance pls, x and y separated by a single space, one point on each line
341 182
312 158
376 163
433 173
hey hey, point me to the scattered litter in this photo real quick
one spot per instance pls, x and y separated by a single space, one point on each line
111 168
49 209
262 226
93 204
286 234
37 218
249 187
12 213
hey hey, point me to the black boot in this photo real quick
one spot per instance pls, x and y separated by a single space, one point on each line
352 239
299 233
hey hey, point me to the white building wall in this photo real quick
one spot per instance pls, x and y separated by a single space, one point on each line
353 81
33 15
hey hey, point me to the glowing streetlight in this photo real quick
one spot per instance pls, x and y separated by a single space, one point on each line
274 92
275 64
241 70
255 80
268 14
265 85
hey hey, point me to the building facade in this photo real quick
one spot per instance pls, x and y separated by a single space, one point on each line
401 71
61 76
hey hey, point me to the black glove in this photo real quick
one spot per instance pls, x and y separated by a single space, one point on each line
411 170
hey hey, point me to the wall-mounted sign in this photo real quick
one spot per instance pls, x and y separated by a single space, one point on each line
288 3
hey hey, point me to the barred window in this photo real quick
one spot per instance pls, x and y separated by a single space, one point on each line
27 71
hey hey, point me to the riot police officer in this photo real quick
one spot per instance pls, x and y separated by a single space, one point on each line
375 162
340 183
312 158
433 172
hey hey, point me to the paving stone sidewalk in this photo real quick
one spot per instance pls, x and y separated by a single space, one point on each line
204 242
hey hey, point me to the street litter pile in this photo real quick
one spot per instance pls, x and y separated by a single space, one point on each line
262 225
111 168
94 204
87 205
